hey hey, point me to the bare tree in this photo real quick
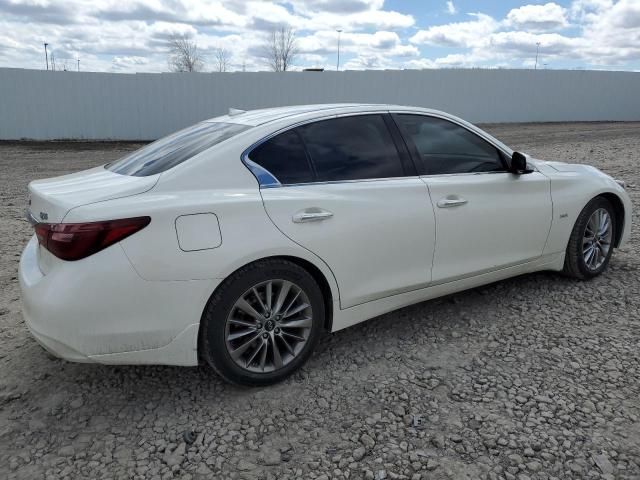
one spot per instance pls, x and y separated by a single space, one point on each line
222 57
281 49
184 55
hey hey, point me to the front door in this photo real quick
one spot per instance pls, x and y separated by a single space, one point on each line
486 218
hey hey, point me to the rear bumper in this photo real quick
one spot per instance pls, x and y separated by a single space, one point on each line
57 348
100 310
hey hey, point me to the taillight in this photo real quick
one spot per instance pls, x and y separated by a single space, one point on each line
73 241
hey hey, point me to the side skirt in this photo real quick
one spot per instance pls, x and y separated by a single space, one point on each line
359 313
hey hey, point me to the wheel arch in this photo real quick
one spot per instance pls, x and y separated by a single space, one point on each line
323 283
618 208
313 270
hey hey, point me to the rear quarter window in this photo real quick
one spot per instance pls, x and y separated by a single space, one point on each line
284 157
174 149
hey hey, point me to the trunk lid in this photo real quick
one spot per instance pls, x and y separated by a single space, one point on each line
51 199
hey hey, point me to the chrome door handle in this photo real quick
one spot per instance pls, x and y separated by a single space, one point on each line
448 202
311 215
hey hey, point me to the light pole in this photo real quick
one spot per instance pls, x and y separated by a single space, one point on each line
78 64
537 50
338 63
46 55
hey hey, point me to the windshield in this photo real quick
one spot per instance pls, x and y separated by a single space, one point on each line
174 149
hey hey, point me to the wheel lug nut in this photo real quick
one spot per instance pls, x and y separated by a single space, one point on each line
265 335
259 325
277 330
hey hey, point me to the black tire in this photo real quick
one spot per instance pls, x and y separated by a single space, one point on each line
213 341
574 263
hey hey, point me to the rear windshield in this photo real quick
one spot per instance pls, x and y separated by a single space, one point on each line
174 149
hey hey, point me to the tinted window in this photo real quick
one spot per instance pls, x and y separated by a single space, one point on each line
351 148
449 148
174 149
284 157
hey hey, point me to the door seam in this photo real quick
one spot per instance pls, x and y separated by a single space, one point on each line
302 246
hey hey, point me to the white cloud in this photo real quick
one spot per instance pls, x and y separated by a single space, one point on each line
420 63
370 19
608 34
370 61
459 34
612 33
364 45
182 11
581 9
525 44
112 35
115 35
549 16
335 6
127 63
313 60
451 8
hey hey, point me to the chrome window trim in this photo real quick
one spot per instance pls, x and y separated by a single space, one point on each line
436 175
264 177
271 181
384 179
337 182
465 174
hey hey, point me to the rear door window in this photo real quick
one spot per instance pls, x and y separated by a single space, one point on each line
174 149
283 156
351 148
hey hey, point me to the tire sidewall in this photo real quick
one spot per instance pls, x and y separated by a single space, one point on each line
585 215
219 307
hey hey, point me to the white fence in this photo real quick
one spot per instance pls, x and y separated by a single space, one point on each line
45 105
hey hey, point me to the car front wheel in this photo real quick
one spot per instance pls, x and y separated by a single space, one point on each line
262 323
591 243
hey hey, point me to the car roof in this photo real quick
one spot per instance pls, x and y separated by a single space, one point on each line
281 116
267 115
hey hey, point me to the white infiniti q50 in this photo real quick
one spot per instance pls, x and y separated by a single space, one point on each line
241 239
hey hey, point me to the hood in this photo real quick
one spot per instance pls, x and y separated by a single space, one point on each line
577 169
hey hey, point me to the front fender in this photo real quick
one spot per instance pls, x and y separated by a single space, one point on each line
572 187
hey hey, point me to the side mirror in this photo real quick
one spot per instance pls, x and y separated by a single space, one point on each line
519 164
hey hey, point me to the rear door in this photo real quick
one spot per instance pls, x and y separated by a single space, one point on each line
349 193
486 218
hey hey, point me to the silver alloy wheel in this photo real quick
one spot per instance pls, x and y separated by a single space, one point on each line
268 326
596 240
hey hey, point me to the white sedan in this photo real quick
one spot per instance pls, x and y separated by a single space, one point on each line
239 240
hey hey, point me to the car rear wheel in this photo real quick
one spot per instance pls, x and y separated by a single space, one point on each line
262 323
591 244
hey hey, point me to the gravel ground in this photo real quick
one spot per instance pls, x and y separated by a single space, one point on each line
537 377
